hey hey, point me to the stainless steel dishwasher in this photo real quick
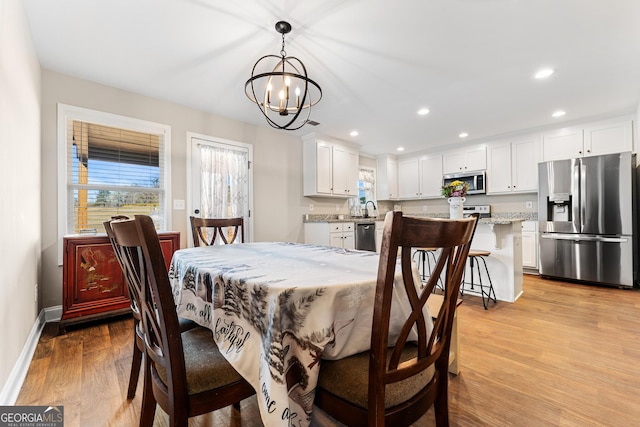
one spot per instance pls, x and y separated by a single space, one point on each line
366 236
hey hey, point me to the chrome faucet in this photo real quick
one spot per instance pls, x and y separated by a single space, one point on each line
366 211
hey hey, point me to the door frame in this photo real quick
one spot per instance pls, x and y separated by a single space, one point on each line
248 232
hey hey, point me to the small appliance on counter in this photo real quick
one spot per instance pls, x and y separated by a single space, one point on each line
483 210
355 210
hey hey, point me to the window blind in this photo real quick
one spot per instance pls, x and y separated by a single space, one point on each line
112 171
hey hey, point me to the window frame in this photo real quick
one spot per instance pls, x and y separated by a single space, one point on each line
70 112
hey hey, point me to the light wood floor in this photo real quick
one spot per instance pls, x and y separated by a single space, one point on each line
562 355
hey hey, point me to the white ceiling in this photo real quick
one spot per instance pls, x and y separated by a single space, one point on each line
378 61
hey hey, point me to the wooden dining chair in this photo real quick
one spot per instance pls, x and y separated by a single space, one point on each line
394 384
184 373
130 266
207 230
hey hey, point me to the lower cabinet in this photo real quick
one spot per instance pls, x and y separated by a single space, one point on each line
530 244
93 286
338 234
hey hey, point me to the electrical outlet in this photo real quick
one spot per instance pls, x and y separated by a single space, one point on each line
424 209
529 204
310 207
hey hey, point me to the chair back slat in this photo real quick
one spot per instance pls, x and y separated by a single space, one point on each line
209 231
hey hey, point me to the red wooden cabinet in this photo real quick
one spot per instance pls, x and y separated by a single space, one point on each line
93 286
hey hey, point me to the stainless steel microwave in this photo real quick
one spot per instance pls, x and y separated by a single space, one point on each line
476 180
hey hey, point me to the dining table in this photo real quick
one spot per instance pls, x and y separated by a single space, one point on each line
277 309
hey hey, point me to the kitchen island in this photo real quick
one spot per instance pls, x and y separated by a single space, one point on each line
502 236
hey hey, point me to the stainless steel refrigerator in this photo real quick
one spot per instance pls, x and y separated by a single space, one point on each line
587 219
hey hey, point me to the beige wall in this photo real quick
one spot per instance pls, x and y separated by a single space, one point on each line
19 186
278 201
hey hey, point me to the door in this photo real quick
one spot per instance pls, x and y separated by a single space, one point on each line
558 197
606 194
598 259
220 184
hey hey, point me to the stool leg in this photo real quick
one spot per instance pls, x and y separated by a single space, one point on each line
482 292
491 290
439 283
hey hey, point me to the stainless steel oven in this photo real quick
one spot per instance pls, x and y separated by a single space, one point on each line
476 181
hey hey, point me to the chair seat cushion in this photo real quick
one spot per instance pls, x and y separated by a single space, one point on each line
186 324
348 379
206 367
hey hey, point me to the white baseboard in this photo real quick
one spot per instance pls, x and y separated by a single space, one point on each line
13 385
52 314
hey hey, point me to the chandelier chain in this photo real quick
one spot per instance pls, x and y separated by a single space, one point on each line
283 53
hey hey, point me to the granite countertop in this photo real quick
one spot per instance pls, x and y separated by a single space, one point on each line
502 218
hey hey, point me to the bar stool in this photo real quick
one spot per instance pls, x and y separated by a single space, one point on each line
487 292
425 255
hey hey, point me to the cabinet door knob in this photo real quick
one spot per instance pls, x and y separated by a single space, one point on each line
579 152
588 151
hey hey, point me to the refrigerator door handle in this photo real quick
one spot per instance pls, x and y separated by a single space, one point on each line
576 199
583 192
577 238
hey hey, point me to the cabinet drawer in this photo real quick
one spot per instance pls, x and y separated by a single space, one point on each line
529 226
339 227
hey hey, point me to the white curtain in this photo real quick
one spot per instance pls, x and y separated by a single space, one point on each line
224 182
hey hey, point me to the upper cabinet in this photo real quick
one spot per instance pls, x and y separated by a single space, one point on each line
468 159
330 169
420 177
590 140
387 177
513 166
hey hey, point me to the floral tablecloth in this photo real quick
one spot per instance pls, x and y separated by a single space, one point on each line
277 309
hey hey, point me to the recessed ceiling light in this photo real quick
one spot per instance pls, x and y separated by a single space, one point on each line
463 135
400 148
544 73
559 113
354 133
423 111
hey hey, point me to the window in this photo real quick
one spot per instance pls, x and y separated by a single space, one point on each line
366 185
110 165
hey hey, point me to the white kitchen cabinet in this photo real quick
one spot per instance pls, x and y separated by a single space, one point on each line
469 159
330 169
606 137
387 177
530 244
338 234
409 178
379 230
513 166
420 177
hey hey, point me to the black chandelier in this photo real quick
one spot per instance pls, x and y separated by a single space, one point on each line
285 89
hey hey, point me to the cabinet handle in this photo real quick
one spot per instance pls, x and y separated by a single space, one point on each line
579 152
588 151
